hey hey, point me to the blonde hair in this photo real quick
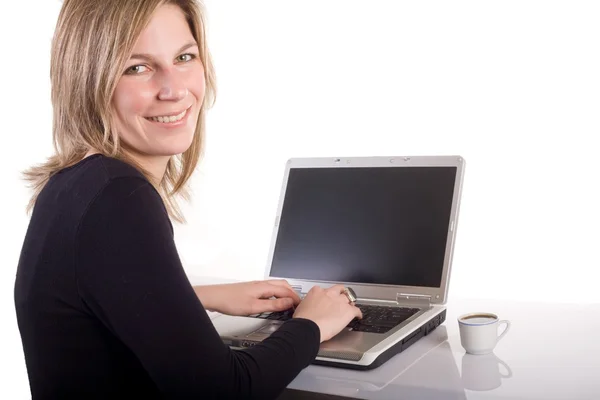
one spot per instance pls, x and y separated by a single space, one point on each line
92 42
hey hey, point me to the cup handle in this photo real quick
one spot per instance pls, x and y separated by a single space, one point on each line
504 321
508 371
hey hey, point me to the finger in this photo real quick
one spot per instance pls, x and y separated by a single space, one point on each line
280 291
336 289
284 283
316 288
357 312
279 282
271 305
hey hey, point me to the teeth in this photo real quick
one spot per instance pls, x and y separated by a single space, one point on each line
167 120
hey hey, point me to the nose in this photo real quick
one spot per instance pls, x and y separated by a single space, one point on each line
172 88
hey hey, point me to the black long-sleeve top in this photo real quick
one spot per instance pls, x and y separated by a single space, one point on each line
105 309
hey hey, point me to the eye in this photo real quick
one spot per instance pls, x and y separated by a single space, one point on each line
186 57
135 69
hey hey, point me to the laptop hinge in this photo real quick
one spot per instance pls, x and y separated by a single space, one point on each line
413 299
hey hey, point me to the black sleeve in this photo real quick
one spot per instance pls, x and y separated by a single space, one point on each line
131 278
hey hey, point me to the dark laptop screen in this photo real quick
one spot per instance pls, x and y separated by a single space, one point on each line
380 225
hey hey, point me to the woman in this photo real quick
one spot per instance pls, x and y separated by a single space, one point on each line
104 307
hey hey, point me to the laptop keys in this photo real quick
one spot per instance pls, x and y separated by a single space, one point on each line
376 319
380 319
277 315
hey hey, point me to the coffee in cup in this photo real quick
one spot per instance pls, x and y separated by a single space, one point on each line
479 332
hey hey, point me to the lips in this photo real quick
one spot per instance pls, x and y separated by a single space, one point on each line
169 118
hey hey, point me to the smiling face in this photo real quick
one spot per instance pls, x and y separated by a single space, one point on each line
159 96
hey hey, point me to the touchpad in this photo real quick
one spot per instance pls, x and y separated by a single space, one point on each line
263 332
268 329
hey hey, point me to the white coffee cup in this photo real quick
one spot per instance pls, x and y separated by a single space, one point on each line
479 332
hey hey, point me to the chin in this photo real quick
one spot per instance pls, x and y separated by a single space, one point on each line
173 149
174 145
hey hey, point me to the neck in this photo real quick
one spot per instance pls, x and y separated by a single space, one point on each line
153 165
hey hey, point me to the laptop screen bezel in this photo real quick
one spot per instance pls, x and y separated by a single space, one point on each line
437 295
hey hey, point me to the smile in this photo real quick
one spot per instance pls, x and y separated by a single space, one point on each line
169 119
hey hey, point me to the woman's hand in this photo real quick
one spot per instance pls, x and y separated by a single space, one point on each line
247 298
329 308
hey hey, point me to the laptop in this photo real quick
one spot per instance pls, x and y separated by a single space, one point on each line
384 227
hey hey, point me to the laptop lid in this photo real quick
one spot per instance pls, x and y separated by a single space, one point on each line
384 226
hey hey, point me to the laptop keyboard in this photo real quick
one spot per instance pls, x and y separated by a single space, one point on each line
380 319
376 319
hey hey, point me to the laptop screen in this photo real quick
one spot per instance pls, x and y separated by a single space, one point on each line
378 225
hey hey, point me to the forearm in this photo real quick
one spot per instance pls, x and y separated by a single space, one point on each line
206 295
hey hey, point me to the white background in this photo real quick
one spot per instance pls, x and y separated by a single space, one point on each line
512 86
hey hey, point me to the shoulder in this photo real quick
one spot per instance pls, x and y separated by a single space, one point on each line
125 188
114 168
98 175
100 183
80 183
125 208
111 188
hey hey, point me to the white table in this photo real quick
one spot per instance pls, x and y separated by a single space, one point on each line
551 352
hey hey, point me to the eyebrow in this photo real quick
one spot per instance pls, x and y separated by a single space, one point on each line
148 57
